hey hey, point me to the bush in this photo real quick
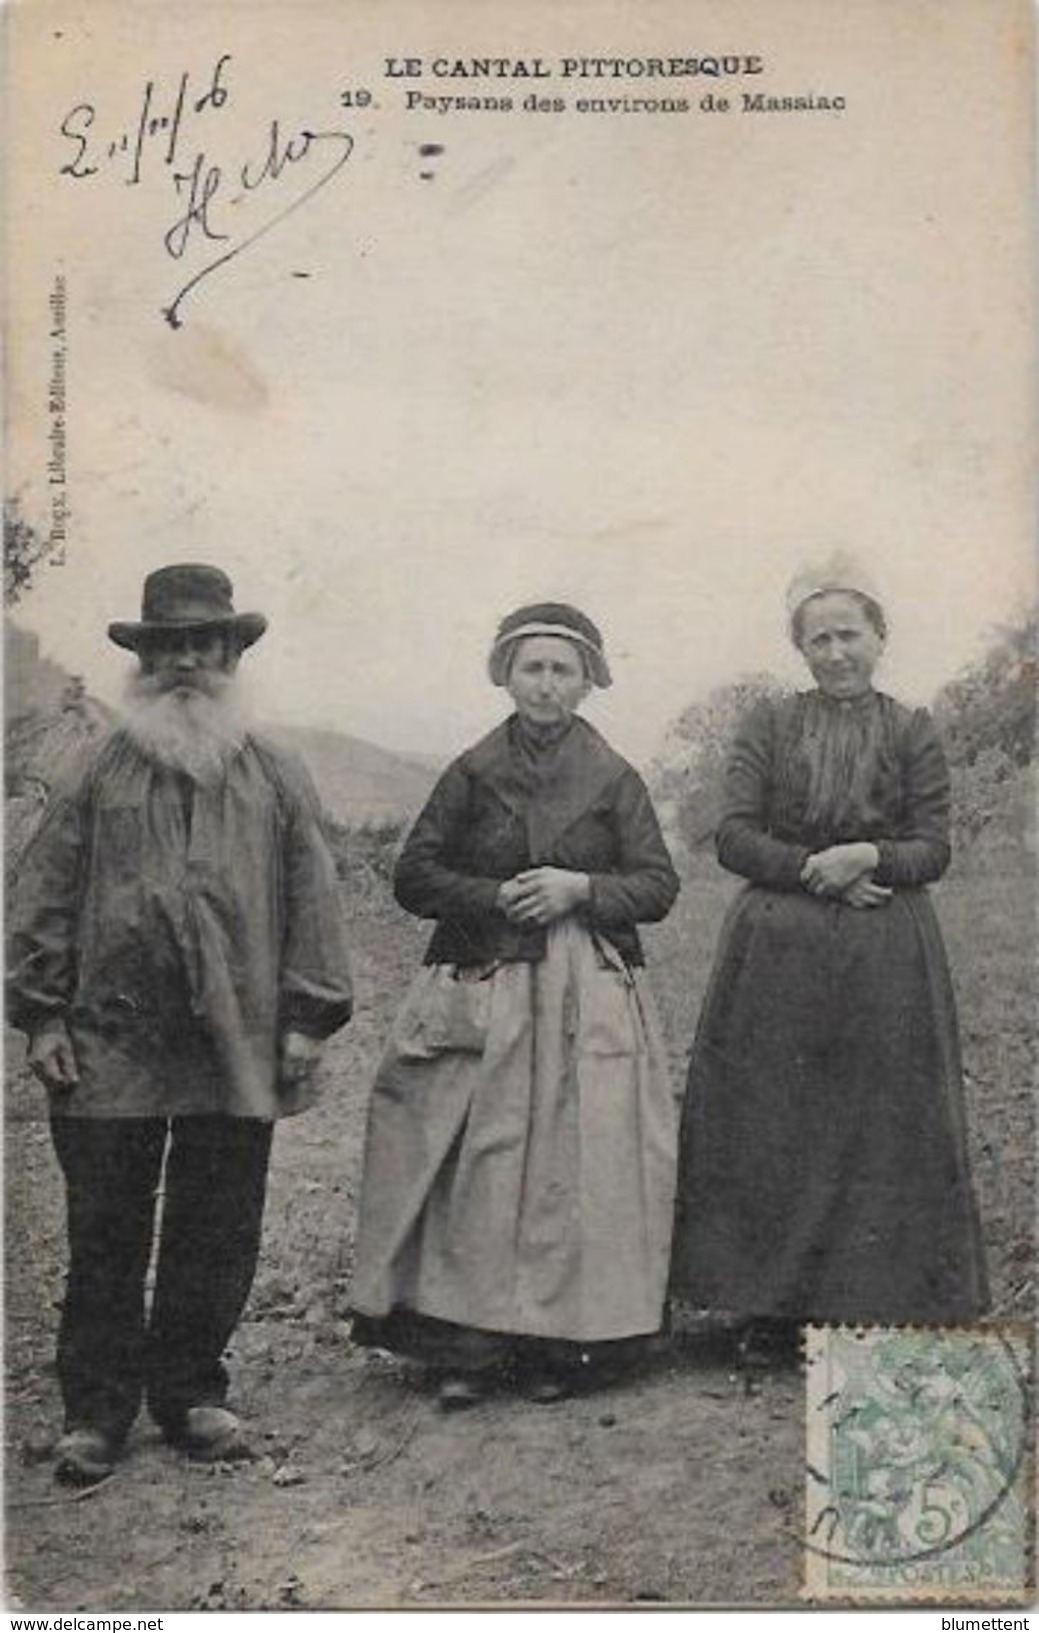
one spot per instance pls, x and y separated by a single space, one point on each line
365 853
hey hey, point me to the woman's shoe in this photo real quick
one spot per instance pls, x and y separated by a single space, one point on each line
545 1388
459 1390
768 1344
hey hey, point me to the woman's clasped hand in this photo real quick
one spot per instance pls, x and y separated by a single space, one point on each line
542 895
845 872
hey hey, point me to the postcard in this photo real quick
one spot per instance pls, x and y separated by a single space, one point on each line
519 573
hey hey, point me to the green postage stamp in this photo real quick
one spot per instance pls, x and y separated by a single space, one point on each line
918 1464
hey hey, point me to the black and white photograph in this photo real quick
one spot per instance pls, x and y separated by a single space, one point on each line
519 661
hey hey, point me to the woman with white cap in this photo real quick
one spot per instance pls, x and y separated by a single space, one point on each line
823 1169
519 1168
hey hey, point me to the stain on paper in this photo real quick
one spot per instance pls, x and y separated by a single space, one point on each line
208 367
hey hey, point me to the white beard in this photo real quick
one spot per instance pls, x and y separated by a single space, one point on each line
197 732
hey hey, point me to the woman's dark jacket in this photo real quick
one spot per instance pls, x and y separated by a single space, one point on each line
502 807
763 834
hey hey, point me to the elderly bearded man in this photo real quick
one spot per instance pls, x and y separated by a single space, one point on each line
177 959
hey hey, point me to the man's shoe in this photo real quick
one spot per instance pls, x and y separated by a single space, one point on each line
211 1434
83 1457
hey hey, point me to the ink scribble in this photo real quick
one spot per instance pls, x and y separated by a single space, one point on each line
205 190
429 150
171 143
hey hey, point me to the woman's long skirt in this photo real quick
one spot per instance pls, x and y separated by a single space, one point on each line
520 1159
823 1170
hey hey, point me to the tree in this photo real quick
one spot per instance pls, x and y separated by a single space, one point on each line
987 718
991 704
24 548
688 774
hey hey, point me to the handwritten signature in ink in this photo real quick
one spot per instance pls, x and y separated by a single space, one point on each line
209 195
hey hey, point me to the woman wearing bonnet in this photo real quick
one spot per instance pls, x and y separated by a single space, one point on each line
823 1168
519 1167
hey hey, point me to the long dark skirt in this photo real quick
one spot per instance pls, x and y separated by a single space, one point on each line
823 1170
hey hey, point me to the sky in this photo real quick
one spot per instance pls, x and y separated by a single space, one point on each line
651 363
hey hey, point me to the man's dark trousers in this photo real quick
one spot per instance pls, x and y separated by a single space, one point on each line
109 1354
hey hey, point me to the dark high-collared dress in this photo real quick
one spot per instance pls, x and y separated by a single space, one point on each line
520 1155
823 1170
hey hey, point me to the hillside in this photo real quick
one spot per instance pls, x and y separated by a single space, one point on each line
31 682
359 782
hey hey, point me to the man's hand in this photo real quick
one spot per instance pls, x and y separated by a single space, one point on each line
52 1058
543 895
830 872
299 1057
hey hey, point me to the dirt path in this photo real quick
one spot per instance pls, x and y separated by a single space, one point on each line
683 1485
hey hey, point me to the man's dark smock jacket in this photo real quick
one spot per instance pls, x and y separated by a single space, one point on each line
179 930
506 805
